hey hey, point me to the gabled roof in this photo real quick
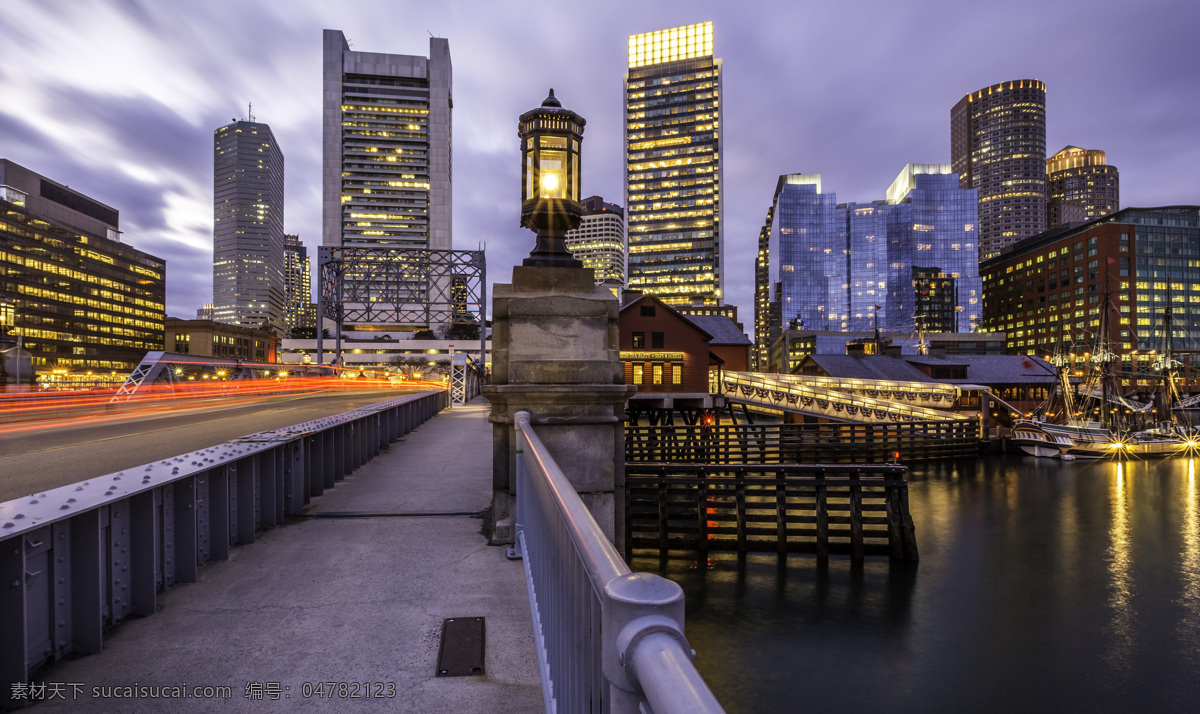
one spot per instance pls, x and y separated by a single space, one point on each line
683 318
999 369
723 330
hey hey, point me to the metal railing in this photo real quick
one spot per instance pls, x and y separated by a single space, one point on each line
775 392
76 559
607 639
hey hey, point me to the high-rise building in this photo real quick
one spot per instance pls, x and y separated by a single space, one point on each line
1081 186
79 298
908 263
599 241
997 141
248 286
673 167
386 147
297 268
1130 277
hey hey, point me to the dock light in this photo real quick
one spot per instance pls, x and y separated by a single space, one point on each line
550 139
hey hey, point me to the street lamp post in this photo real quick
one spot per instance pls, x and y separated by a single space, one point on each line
550 139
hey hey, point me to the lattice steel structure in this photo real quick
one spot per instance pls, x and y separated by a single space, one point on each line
391 286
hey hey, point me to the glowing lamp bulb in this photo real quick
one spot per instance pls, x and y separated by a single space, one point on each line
549 184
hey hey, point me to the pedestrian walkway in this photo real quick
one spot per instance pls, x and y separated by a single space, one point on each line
353 594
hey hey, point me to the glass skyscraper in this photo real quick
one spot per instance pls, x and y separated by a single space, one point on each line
907 263
248 285
673 167
599 241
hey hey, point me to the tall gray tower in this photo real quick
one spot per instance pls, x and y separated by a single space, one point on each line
386 147
248 286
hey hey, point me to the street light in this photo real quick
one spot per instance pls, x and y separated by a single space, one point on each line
550 138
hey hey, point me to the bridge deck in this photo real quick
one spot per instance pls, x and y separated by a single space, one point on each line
356 594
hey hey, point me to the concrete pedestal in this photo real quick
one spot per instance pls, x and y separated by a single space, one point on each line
556 354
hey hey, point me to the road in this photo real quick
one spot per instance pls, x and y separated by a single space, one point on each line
38 457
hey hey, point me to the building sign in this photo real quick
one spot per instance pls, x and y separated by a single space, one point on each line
630 355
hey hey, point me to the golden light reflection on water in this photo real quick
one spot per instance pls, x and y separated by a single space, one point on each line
1120 599
1190 562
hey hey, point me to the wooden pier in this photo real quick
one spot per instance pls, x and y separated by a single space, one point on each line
780 508
803 443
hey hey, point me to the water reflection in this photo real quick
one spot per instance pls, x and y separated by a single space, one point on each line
1120 599
1042 585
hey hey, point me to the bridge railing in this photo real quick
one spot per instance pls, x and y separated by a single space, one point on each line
76 559
607 639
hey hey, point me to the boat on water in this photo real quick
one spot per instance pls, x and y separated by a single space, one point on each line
1111 436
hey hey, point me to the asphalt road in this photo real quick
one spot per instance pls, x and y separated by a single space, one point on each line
60 452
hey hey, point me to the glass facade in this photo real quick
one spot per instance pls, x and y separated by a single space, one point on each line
248 282
998 147
905 264
673 166
80 301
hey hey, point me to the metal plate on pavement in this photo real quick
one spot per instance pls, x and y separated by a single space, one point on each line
461 651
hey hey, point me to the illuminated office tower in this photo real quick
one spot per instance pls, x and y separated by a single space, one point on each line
599 241
248 288
78 296
1082 186
386 147
997 145
300 312
673 168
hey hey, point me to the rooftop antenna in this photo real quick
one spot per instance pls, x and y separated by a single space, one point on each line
250 111
430 33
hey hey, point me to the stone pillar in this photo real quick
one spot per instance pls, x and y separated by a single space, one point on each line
556 354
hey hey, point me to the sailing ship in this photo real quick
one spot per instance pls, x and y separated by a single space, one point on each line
1115 433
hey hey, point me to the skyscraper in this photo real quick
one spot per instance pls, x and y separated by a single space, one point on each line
673 167
248 286
997 141
1082 186
902 264
296 271
386 147
599 241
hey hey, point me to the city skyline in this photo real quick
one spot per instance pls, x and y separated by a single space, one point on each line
130 124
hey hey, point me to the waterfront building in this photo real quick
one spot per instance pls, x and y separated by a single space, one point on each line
907 263
300 313
248 283
1134 274
81 299
210 338
386 147
673 184
599 241
997 145
1081 186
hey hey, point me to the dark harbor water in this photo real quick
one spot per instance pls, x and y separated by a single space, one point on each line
1043 587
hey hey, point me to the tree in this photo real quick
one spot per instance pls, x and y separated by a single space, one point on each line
463 331
424 335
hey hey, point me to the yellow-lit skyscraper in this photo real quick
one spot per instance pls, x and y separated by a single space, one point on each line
673 168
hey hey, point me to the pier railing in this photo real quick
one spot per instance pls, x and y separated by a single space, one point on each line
77 559
607 639
803 443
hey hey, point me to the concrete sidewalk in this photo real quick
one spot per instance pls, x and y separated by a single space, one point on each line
356 593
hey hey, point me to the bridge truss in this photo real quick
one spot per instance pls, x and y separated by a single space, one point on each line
402 287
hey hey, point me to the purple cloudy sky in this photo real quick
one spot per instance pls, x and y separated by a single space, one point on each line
119 99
